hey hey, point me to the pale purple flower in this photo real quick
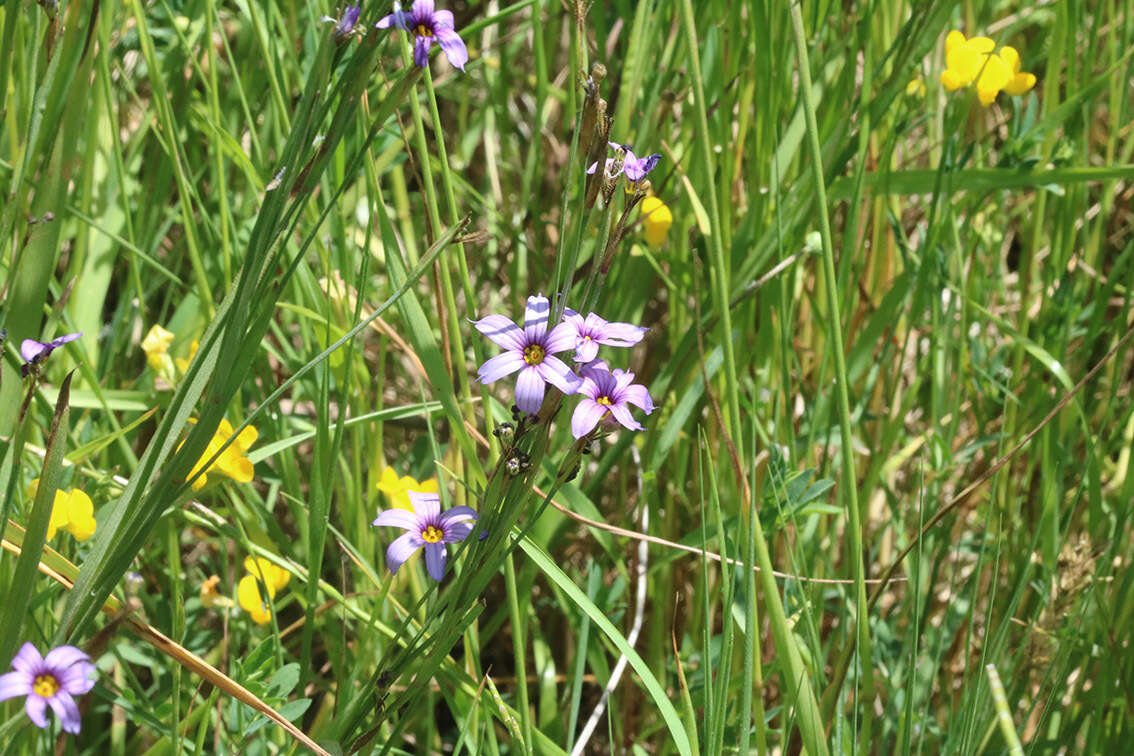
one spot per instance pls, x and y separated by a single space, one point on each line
593 330
426 526
345 25
529 350
608 394
427 24
36 352
633 166
53 681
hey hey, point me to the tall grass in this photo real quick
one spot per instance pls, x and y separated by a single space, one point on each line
883 505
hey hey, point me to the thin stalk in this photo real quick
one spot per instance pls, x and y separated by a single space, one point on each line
516 619
846 448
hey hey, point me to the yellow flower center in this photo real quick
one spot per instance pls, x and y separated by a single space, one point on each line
45 686
604 401
432 534
534 354
422 30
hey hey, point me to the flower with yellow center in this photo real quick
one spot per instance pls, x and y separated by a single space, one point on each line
260 571
232 462
156 346
656 219
72 511
975 60
397 489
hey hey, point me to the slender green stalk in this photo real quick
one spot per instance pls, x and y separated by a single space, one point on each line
846 447
519 652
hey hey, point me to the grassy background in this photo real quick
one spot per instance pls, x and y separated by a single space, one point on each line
954 272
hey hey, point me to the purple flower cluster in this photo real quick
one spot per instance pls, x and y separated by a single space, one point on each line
54 680
36 353
427 24
531 349
626 162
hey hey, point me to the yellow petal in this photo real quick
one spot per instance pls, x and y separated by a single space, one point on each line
981 44
964 63
994 77
1011 58
224 430
209 595
427 486
248 596
59 518
247 437
656 218
32 488
388 484
1021 83
156 342
232 464
80 514
953 40
273 577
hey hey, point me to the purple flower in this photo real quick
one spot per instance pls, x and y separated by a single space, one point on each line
345 25
36 352
633 166
426 23
605 394
593 330
426 526
55 681
529 350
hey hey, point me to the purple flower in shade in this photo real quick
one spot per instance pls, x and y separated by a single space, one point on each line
36 352
345 25
633 166
607 393
529 350
593 330
53 681
427 24
426 526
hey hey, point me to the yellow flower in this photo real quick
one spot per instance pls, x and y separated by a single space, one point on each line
72 511
156 346
183 364
657 219
248 591
916 87
209 595
232 462
969 60
397 489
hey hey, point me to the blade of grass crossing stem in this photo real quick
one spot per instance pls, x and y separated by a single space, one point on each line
23 578
655 690
846 448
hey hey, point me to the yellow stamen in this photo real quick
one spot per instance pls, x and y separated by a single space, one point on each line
534 354
432 534
45 686
422 30
604 401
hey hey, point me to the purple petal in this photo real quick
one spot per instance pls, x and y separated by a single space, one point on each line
399 518
422 10
64 339
36 708
622 414
501 331
27 659
78 678
529 390
427 506
387 21
67 711
435 557
595 370
574 318
594 165
421 51
586 351
64 656
639 396
621 379
456 514
500 366
588 388
453 46
402 549
561 338
536 312
555 371
621 334
15 684
443 18
586 416
32 350
457 532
